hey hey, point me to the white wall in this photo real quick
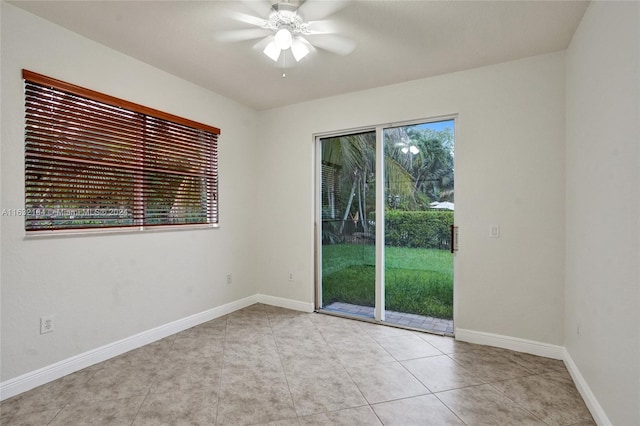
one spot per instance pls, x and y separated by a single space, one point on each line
105 288
509 171
603 206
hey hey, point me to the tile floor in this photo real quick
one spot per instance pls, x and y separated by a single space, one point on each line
435 325
267 365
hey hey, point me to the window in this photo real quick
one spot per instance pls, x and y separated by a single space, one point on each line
95 161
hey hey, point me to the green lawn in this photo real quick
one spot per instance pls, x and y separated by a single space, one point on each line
418 281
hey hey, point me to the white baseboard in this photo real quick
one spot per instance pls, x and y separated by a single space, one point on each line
540 349
599 416
295 305
512 343
60 369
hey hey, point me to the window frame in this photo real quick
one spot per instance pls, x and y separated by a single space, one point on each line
205 152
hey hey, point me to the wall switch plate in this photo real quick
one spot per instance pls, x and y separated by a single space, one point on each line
229 279
494 231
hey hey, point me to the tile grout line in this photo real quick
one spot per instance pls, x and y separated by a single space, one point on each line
451 410
284 373
224 348
173 342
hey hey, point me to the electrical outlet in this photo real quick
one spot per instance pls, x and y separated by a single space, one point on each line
290 276
578 329
229 279
494 231
47 324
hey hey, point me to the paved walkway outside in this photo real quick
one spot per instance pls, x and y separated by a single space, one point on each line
437 325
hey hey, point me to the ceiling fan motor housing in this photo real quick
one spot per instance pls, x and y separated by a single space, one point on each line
286 15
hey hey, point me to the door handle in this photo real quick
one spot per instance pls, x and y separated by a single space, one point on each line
453 238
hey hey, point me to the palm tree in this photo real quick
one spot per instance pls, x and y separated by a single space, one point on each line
418 170
428 157
349 165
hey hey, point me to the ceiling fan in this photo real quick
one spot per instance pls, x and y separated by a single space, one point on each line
285 28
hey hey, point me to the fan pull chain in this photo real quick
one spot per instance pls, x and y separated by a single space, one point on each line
284 65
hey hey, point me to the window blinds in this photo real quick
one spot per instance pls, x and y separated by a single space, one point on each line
94 161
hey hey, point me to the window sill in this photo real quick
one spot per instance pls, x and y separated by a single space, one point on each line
109 231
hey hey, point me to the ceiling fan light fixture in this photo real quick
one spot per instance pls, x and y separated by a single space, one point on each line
283 38
299 49
272 51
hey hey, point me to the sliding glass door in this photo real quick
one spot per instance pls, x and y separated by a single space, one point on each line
347 228
419 190
385 208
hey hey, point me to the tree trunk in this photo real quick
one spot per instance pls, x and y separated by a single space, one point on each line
348 209
362 194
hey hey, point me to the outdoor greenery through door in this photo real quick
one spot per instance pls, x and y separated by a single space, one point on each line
418 197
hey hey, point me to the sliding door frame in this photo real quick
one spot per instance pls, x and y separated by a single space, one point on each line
380 230
318 204
379 315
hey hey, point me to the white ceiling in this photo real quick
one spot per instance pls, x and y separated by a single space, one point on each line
396 40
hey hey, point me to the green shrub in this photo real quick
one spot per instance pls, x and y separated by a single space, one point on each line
424 229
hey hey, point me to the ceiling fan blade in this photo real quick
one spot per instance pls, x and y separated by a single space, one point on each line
322 27
260 7
263 43
333 43
246 18
241 35
319 9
